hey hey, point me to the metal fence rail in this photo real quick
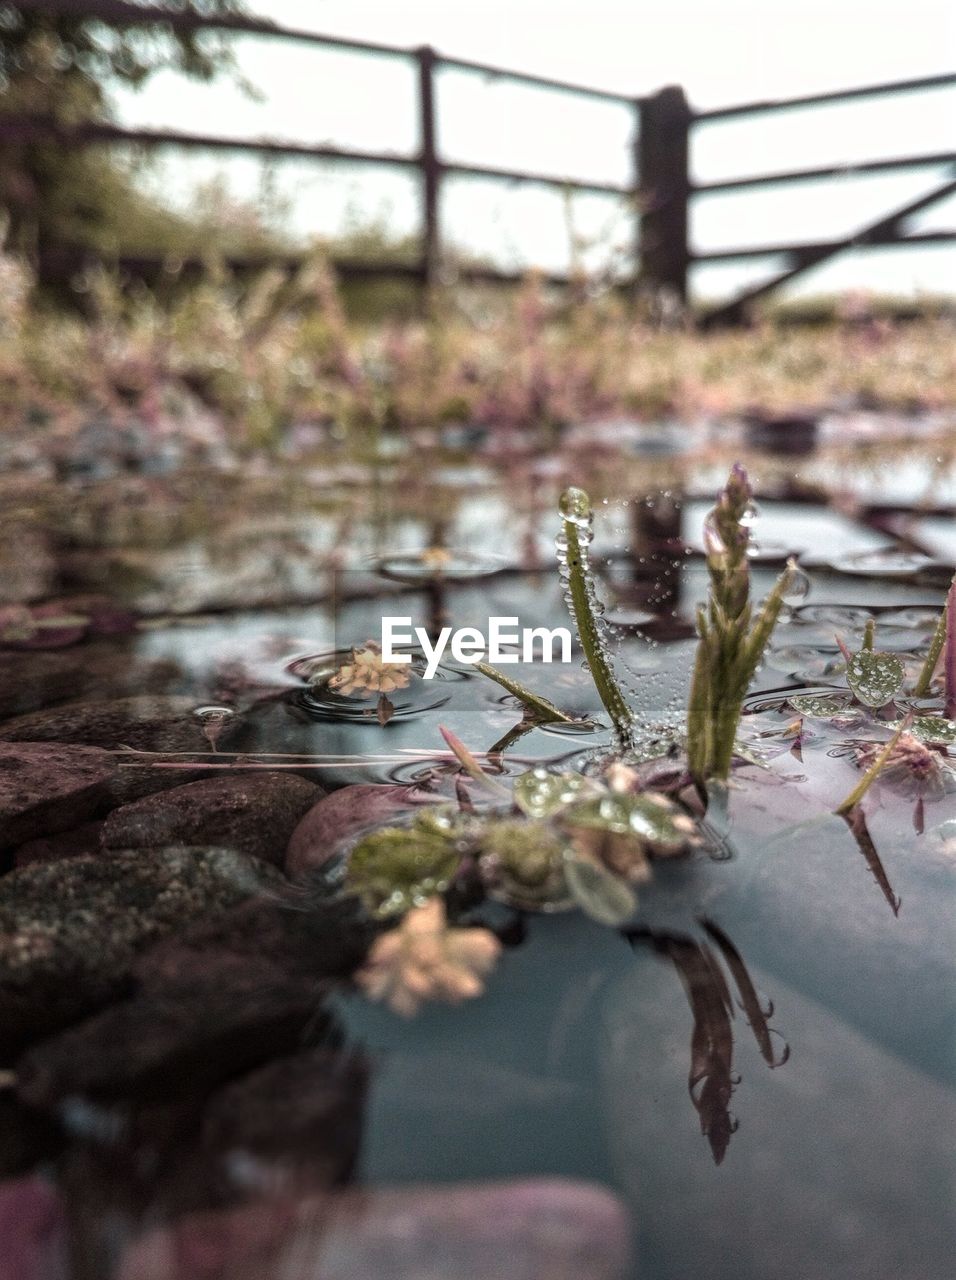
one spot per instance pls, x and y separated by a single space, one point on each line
661 189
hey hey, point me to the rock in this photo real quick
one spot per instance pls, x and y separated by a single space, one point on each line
222 998
28 683
145 723
69 930
254 813
297 938
336 820
84 839
46 787
296 1121
28 1137
176 1043
538 1229
33 1230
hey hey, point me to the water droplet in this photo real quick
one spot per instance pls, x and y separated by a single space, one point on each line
797 588
575 505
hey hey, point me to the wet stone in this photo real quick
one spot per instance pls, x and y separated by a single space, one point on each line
84 839
29 683
536 1229
296 1120
33 1229
286 932
69 930
223 997
336 819
47 787
254 813
145 723
175 1043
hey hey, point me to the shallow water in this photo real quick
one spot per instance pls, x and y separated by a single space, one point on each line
824 962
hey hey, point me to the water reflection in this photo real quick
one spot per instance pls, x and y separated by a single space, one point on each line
711 1079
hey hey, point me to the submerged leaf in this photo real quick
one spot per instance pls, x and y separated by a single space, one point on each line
651 817
540 794
601 895
396 868
820 705
934 729
875 678
524 862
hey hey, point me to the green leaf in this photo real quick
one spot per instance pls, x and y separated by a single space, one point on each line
875 678
820 705
649 816
601 895
934 729
540 794
396 868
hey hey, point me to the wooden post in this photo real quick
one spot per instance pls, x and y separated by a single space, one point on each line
430 167
663 192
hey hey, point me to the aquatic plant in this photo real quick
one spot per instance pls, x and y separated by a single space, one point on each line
535 704
581 597
928 669
731 640
396 868
949 655
425 958
367 673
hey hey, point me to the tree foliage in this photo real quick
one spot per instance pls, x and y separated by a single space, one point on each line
59 64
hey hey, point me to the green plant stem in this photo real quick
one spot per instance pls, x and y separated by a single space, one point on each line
922 686
589 636
863 786
540 706
727 658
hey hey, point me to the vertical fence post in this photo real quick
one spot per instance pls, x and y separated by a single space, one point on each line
430 167
664 190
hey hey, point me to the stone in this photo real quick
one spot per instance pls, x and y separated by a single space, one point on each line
143 722
84 839
47 787
296 937
69 930
221 997
252 812
536 1229
334 821
175 1043
33 1230
32 681
28 683
295 1121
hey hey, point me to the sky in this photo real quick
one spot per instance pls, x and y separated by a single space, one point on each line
722 53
